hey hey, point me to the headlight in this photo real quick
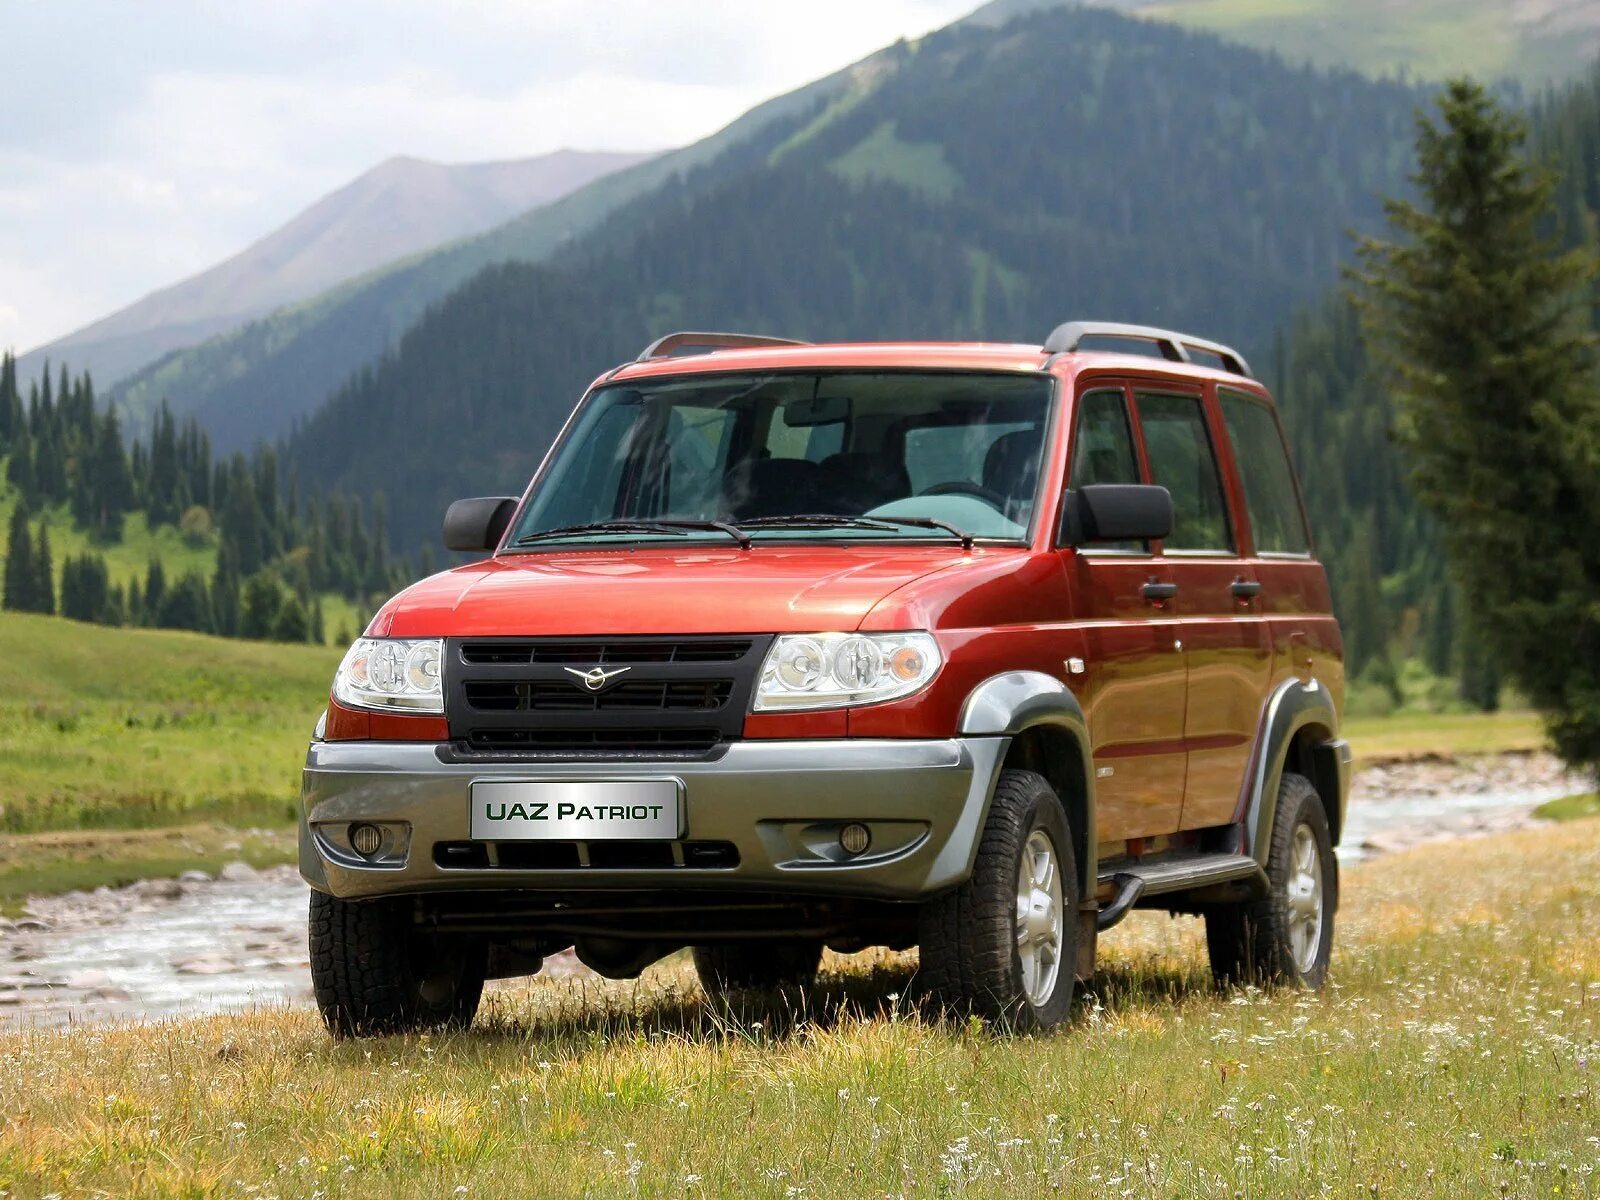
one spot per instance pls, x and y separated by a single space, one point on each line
392 675
832 670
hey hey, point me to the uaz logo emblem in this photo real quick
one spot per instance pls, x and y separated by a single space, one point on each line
596 678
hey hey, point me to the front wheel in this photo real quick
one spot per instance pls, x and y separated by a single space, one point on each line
375 972
1003 945
1285 936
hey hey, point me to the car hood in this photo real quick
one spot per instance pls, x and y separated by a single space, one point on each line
769 589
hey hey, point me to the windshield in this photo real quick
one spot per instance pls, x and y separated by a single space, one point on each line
765 457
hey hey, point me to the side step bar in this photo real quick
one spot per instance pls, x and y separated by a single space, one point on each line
1133 881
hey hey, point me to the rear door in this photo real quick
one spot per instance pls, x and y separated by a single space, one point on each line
1134 684
1224 644
1293 602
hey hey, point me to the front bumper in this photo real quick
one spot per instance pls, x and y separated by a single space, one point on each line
775 802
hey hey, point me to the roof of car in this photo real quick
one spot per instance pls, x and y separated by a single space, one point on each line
939 356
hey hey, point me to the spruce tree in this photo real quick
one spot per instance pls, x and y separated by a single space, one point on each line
19 575
155 592
263 597
44 574
1481 320
291 623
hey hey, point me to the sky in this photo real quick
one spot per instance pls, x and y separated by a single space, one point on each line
142 142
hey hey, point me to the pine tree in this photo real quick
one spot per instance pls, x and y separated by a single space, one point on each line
186 605
225 599
291 623
1481 320
263 597
19 469
19 575
155 592
44 574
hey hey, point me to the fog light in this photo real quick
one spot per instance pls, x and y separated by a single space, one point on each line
855 838
366 839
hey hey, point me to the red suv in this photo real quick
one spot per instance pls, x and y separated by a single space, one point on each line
973 648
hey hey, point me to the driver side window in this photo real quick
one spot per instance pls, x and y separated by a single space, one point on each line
1103 451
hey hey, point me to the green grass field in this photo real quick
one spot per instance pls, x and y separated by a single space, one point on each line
130 728
1456 1053
1571 808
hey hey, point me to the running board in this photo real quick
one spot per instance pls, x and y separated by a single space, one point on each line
1134 881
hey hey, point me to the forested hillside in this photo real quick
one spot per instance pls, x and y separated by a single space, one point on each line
992 183
163 534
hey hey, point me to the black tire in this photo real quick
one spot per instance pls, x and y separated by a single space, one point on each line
734 966
374 972
970 960
1255 942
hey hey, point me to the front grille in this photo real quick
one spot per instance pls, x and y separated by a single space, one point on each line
657 697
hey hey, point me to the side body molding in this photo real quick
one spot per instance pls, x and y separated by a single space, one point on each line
1013 703
1299 732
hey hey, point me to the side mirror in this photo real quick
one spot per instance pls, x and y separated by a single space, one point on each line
1116 512
478 524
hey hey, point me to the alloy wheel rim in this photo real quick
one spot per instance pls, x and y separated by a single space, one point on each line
1305 893
1039 918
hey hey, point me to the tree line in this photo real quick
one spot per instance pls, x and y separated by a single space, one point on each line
275 552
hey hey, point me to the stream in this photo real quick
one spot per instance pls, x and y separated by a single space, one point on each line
167 947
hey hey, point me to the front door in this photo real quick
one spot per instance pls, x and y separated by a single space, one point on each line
1134 671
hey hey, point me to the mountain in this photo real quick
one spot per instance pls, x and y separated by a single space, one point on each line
1535 42
396 209
983 183
256 381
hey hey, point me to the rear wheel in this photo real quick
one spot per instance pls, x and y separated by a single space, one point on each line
729 967
1003 945
375 972
1285 936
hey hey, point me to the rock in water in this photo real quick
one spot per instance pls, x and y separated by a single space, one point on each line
237 872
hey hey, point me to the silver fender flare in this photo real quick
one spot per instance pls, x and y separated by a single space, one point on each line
1012 703
1295 706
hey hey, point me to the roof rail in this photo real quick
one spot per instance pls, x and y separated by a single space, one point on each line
707 343
1178 347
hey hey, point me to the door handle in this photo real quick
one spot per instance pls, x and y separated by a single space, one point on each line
1246 589
1155 590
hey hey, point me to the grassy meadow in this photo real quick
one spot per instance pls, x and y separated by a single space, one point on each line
133 728
1456 1053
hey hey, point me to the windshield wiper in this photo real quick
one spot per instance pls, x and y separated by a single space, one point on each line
679 528
833 521
934 523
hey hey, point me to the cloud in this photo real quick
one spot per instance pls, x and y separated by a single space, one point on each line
145 142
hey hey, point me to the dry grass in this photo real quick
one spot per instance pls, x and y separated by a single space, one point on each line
1457 1053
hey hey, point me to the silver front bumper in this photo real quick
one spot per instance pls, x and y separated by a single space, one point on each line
776 802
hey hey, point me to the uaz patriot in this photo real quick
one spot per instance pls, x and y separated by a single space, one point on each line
973 648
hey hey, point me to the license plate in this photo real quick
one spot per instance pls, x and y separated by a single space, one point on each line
526 810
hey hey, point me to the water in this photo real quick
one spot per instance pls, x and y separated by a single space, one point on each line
227 946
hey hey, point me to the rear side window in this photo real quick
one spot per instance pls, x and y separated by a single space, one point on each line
1269 491
1182 461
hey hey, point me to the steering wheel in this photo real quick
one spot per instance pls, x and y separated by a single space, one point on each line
965 487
